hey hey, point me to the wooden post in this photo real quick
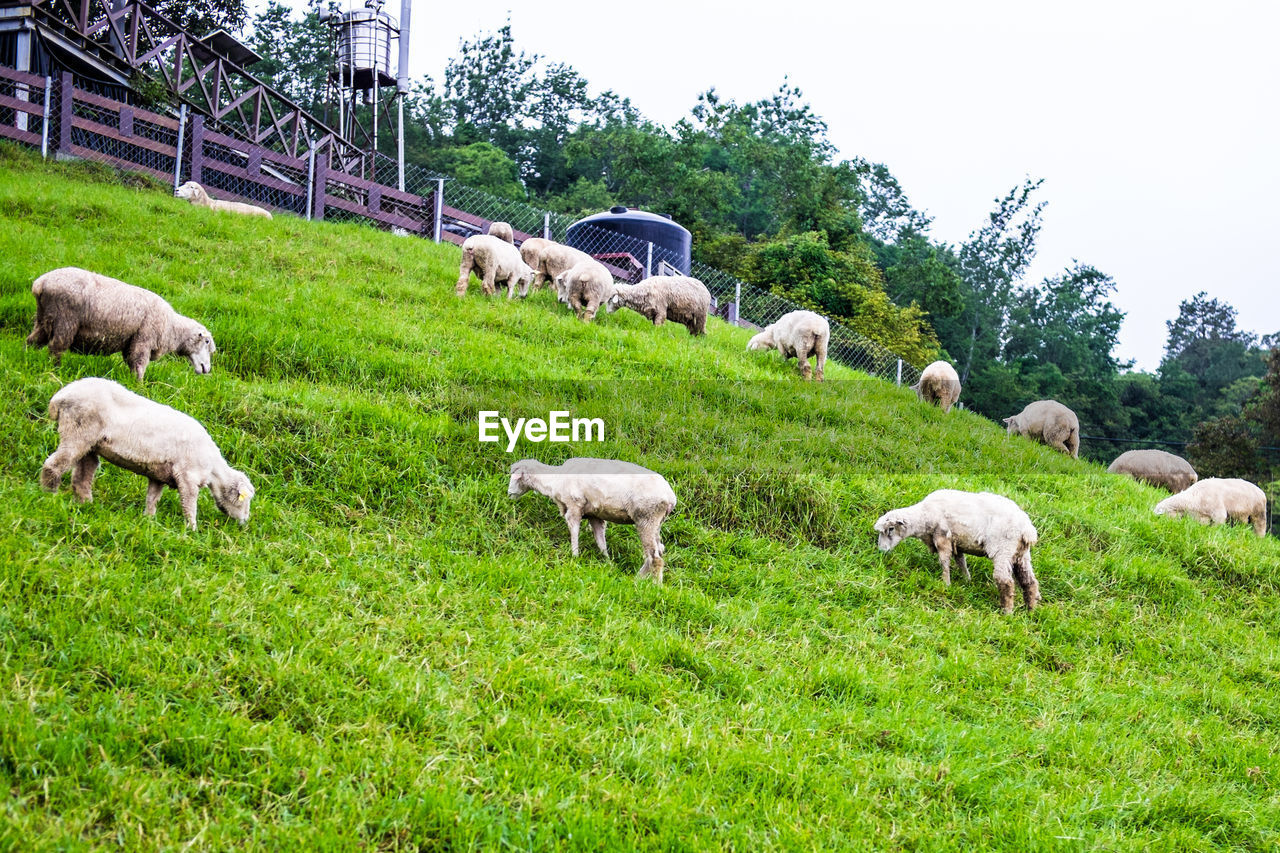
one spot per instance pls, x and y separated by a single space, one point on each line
197 148
126 121
321 181
65 113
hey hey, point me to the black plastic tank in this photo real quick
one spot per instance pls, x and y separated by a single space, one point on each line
672 242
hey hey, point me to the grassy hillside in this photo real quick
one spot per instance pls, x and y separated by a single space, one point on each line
394 655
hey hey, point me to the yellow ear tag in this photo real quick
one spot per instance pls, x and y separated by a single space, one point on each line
243 496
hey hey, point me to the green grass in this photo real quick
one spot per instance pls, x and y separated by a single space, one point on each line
394 655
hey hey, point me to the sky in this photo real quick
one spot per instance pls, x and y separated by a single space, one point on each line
1155 125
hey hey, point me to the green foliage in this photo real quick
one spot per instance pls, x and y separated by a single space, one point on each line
481 166
394 655
296 53
1224 447
203 18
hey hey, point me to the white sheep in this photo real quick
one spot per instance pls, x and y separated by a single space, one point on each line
503 231
197 195
1050 423
585 287
939 384
677 298
798 334
601 491
494 260
99 418
1155 468
979 523
549 259
85 312
1217 501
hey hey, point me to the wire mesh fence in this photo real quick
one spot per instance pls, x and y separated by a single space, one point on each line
328 183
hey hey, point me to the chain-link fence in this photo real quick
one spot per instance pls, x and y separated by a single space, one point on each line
72 118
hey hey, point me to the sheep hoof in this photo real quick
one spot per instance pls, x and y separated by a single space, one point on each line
49 481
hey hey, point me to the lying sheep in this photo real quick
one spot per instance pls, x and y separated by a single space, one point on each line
979 523
677 298
1155 468
939 384
196 194
549 259
494 260
1217 501
584 288
503 231
601 491
799 334
89 313
98 418
1050 423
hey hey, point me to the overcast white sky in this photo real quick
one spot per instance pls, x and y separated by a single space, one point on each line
1154 124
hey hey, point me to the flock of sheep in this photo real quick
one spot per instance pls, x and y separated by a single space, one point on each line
97 419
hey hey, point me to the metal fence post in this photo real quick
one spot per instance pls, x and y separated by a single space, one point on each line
898 382
546 226
66 107
311 177
648 263
438 213
737 301
177 160
48 111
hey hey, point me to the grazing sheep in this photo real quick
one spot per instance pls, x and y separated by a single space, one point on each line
677 298
603 490
939 384
979 523
549 259
93 314
799 334
502 230
584 288
196 194
1155 468
494 260
1050 423
100 418
1217 501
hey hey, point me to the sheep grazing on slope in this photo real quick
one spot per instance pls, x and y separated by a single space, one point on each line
601 491
98 418
89 313
1155 468
584 288
1050 423
677 298
197 195
939 384
979 523
494 260
1217 501
549 259
798 335
503 231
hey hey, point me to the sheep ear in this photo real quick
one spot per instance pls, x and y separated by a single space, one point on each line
244 496
1007 420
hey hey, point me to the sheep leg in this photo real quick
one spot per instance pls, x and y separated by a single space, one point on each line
597 530
82 478
464 271
1027 580
188 492
137 355
943 546
806 372
820 356
573 518
490 275
64 335
1073 444
1003 575
154 489
650 532
62 460
964 565
38 337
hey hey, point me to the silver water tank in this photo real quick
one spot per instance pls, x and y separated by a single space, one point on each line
364 44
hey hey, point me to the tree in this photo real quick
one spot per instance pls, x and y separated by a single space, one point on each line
203 18
488 87
1224 447
991 262
886 213
295 53
1203 319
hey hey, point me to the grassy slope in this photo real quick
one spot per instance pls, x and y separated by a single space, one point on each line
394 653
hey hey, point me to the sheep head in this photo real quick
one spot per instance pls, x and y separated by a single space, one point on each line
1011 424
892 529
191 191
199 348
519 485
617 299
764 340
233 497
